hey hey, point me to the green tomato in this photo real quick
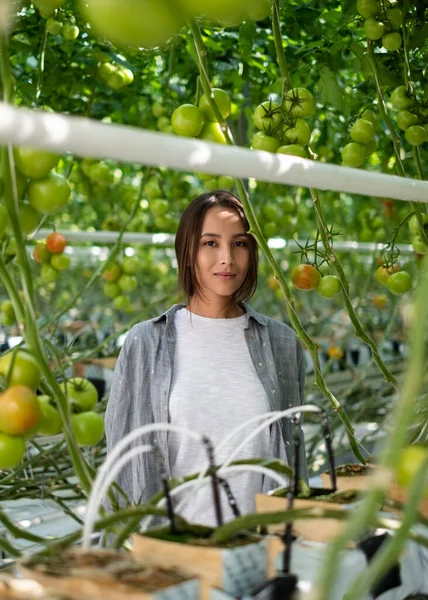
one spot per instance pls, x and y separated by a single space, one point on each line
124 24
368 8
410 461
419 245
299 102
12 450
48 273
81 393
362 131
353 154
122 303
212 132
54 27
222 100
401 98
29 219
299 133
406 119
267 117
70 32
258 10
47 7
416 135
399 283
187 120
392 41
225 182
228 12
394 17
328 286
111 290
371 116
261 141
293 150
373 29
105 70
413 224
22 367
49 195
50 422
60 262
127 283
158 109
131 265
34 164
88 428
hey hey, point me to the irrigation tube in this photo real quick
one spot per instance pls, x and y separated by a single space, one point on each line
89 138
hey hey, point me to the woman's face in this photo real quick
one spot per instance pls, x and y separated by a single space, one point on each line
223 255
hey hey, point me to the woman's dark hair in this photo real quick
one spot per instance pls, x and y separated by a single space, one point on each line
187 244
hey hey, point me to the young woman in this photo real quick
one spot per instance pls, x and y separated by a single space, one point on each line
209 364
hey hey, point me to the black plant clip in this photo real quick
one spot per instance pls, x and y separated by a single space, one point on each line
212 471
230 496
329 447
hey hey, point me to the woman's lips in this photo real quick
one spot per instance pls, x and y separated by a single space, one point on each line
225 276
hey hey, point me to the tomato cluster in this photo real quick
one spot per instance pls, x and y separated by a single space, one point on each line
20 411
120 280
418 243
306 277
116 76
50 254
412 115
382 23
394 279
363 142
82 396
282 127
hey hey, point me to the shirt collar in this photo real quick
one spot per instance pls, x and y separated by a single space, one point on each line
169 315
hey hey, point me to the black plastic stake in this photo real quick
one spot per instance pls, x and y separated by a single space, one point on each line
214 480
329 447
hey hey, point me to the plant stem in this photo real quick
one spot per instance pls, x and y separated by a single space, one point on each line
283 66
41 64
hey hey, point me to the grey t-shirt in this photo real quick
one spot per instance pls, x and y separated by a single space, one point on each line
214 389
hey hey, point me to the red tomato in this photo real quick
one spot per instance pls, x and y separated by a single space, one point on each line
56 242
19 410
305 277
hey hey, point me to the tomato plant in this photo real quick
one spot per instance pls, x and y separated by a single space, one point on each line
56 242
111 290
305 277
131 265
374 29
187 120
353 154
88 427
113 272
127 283
401 98
383 272
21 368
48 273
19 410
406 119
60 262
81 393
416 135
392 41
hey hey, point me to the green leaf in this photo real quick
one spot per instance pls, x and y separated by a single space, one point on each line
418 38
330 90
247 34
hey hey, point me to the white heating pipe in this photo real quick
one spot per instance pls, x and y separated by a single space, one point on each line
89 138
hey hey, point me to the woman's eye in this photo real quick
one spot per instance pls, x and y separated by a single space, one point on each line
241 244
209 243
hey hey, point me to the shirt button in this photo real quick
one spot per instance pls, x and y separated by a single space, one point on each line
260 364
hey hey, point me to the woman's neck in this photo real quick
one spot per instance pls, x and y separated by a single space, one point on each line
215 310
